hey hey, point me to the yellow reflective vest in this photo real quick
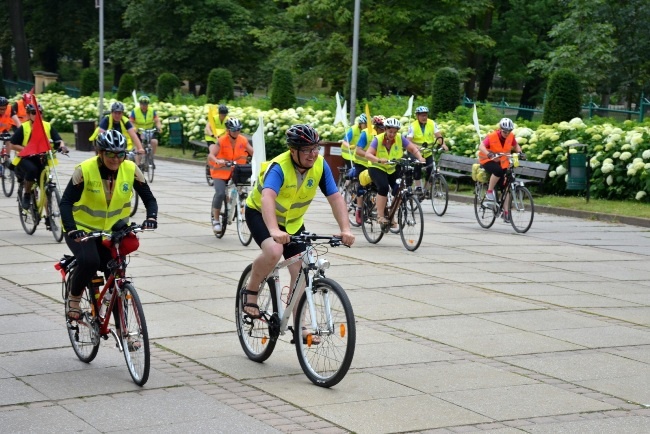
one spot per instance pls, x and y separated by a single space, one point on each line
27 134
292 201
123 130
396 152
347 150
428 136
141 119
93 212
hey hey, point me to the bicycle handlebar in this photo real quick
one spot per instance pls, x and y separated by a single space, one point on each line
118 234
308 237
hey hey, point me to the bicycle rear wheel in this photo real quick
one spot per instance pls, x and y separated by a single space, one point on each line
29 218
439 194
411 223
326 354
84 333
222 217
8 177
243 231
54 214
132 331
370 227
148 161
257 336
208 177
350 196
485 214
522 209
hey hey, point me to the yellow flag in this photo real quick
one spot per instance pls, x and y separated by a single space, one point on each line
370 130
212 113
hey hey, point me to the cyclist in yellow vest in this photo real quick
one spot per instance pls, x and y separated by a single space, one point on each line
118 122
142 117
216 126
29 168
385 147
424 132
97 197
276 207
361 163
349 143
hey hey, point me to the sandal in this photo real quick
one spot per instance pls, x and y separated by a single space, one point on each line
74 313
244 294
383 221
315 339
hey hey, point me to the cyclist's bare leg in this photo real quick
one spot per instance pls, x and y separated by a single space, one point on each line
262 266
154 146
493 181
381 205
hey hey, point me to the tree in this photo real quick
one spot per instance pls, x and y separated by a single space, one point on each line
126 87
282 93
220 86
167 84
446 92
363 77
89 82
563 97
20 41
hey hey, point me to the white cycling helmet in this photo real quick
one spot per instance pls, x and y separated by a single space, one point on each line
422 109
506 125
392 123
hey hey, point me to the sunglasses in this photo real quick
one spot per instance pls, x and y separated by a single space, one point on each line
308 151
110 154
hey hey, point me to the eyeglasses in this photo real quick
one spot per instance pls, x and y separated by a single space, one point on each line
110 154
117 112
307 151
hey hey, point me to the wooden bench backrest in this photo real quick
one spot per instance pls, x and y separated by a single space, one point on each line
529 169
456 162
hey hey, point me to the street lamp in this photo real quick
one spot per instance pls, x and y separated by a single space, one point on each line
100 5
355 60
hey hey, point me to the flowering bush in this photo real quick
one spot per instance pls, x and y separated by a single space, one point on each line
619 155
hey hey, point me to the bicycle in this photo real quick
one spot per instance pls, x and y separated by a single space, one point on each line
234 204
117 295
520 200
147 165
410 218
135 199
436 188
45 197
348 185
8 175
323 307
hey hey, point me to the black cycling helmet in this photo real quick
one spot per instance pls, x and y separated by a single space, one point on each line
223 110
3 101
302 135
30 109
117 107
112 141
233 124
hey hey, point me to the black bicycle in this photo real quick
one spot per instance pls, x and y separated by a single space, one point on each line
8 176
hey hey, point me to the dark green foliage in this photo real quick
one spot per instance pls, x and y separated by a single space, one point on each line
563 97
126 87
3 91
167 84
362 84
445 92
55 87
89 82
283 95
221 87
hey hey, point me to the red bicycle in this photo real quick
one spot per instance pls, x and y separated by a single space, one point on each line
118 296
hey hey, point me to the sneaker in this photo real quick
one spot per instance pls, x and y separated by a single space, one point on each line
489 197
26 201
217 227
506 217
357 216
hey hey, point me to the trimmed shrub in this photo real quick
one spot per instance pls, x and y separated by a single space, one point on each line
563 97
445 92
283 95
167 84
89 82
55 87
126 86
221 87
363 76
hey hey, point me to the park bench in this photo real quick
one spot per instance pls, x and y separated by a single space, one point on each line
200 146
530 172
456 167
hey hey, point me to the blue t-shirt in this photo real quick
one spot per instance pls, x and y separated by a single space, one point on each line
275 178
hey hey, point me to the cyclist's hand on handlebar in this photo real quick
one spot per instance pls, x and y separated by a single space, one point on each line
279 236
522 156
77 235
346 237
491 155
63 149
150 224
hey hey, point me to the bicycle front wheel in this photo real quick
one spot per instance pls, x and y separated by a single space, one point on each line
370 225
135 200
148 161
411 223
257 336
325 354
132 331
522 209
29 217
243 232
83 333
483 211
54 214
350 196
222 218
8 178
439 194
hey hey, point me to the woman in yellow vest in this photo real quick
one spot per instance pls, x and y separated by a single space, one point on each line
361 163
97 197
349 144
384 148
276 207
424 133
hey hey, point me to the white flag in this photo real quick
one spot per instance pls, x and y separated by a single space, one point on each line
344 114
259 150
478 129
409 110
338 117
135 98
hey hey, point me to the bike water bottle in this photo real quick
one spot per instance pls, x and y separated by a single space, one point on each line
107 301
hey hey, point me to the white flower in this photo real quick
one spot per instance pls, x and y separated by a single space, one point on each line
610 180
625 156
607 167
616 154
640 195
552 174
561 170
593 162
570 142
646 154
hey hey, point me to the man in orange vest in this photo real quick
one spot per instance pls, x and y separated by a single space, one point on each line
230 148
20 107
499 141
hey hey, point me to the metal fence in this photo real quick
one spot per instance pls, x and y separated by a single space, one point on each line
15 87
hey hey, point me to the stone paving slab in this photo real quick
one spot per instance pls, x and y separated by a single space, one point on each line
628 425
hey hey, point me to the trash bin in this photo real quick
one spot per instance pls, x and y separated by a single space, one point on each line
82 132
331 152
578 170
176 132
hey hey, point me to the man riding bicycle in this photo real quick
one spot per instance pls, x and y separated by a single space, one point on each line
231 147
216 125
499 141
84 208
424 133
118 122
275 209
29 168
142 117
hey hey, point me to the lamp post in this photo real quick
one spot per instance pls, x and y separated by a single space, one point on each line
100 4
355 60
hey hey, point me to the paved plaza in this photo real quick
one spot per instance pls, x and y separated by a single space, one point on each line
478 330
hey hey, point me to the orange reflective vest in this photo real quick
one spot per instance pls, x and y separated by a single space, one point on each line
497 147
227 151
21 112
5 120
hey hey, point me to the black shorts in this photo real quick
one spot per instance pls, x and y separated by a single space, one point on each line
260 232
494 168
